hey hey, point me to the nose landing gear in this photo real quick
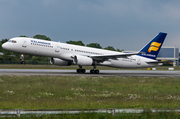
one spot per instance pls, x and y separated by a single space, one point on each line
22 59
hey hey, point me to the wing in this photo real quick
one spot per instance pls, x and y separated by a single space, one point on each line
156 62
109 56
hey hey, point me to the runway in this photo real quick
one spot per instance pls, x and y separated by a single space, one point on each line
103 73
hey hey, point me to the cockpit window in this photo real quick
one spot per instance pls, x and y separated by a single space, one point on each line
12 41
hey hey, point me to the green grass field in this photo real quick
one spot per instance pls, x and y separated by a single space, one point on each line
162 115
64 92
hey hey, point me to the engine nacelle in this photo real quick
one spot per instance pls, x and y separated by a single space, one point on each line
60 62
82 60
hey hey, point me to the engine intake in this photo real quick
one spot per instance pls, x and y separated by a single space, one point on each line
82 60
60 62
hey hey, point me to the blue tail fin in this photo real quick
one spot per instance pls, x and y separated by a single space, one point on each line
151 50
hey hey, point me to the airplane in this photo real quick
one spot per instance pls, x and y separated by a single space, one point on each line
63 54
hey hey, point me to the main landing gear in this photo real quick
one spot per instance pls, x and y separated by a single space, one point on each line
80 70
92 71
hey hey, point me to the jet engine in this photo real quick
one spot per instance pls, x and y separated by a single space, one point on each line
60 62
82 60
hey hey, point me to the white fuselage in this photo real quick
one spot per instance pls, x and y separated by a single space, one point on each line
67 51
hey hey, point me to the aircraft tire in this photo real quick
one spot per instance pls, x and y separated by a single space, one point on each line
94 71
78 71
81 70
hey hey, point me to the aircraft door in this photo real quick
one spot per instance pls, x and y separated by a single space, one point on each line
139 62
57 48
24 43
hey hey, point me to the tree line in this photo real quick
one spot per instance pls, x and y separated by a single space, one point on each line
94 45
7 57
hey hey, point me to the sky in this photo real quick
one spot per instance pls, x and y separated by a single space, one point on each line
123 24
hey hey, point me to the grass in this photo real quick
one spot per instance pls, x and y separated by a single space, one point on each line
65 92
162 115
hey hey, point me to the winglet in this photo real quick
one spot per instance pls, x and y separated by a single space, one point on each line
151 50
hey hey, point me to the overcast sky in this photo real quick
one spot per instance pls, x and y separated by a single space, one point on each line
123 24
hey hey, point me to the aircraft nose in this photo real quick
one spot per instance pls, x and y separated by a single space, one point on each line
4 45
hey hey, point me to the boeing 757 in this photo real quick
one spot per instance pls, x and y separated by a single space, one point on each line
63 54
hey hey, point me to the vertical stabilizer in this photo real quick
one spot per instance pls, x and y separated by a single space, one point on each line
151 50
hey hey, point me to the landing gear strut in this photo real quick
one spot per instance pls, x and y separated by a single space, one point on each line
94 70
80 70
22 59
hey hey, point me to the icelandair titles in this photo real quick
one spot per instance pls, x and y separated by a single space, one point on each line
44 43
149 55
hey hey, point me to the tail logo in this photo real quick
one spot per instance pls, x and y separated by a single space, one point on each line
154 46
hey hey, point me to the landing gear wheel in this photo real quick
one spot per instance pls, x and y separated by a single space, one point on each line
94 71
78 70
81 70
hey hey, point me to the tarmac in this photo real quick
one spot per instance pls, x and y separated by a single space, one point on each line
103 73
